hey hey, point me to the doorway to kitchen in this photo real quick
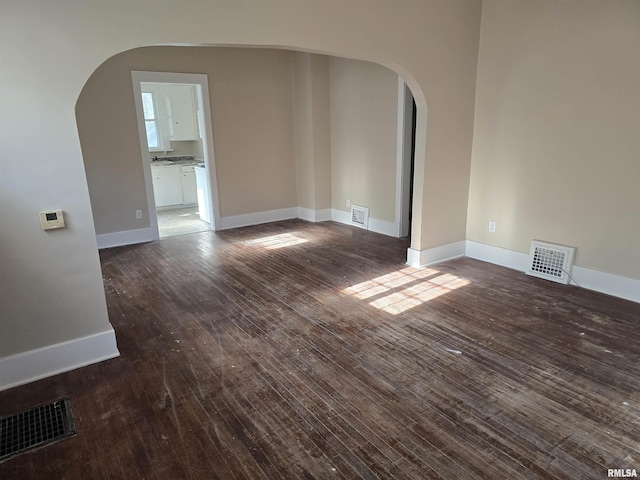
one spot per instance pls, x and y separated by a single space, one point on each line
174 124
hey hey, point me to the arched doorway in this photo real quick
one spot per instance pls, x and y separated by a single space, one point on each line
257 138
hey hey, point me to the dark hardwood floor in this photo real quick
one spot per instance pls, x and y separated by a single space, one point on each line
296 350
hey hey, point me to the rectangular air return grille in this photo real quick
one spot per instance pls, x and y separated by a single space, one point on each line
360 216
35 428
550 261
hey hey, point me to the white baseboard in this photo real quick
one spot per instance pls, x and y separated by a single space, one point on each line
384 227
341 216
45 362
375 225
129 237
622 287
314 215
257 218
173 207
429 256
616 285
142 235
497 255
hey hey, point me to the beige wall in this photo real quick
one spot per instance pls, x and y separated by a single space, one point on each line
364 119
312 130
51 283
252 115
262 155
303 125
557 84
555 150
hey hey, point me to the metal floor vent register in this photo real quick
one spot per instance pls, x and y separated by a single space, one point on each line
35 428
360 216
550 261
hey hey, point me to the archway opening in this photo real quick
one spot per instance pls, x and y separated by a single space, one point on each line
340 132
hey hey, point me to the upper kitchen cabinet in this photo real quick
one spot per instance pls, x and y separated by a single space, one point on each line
170 114
183 112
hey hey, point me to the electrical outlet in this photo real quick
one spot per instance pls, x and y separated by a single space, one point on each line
492 227
348 203
138 214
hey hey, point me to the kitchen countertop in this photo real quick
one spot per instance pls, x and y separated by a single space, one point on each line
175 160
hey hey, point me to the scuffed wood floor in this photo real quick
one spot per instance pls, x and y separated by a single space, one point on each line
296 350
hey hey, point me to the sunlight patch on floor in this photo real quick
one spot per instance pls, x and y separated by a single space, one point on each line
397 301
278 241
388 282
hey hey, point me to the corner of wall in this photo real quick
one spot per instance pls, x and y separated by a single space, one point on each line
430 256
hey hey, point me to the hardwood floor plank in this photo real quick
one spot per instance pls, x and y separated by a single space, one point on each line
298 351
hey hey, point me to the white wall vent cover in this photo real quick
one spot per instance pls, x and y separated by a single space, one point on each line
550 261
360 216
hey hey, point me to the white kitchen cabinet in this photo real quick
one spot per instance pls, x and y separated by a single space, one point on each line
183 112
189 190
174 185
167 185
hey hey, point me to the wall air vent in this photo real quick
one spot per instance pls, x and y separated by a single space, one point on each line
550 261
360 216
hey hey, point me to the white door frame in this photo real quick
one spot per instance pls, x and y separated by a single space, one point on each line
403 162
204 104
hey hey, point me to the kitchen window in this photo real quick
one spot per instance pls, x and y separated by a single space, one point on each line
156 107
150 121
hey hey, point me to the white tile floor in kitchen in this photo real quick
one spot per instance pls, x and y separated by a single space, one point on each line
180 221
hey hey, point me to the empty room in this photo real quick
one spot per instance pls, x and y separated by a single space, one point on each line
393 239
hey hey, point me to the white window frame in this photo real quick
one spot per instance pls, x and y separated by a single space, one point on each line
151 119
159 93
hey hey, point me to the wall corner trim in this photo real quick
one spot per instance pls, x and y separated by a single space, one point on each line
429 256
615 285
27 367
309 215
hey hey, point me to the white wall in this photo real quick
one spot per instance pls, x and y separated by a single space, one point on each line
51 282
51 286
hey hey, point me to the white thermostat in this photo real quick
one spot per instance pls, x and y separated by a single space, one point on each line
52 219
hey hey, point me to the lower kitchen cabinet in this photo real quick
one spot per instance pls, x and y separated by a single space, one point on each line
174 185
189 190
